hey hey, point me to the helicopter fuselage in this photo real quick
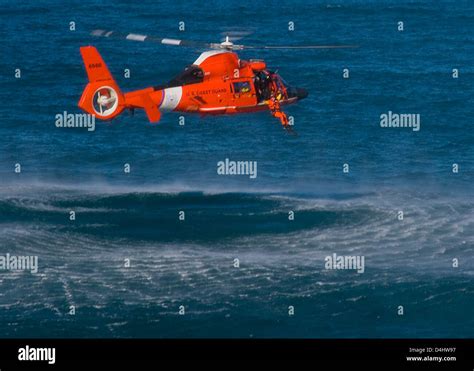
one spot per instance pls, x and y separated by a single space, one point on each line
217 83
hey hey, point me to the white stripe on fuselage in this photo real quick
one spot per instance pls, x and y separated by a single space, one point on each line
171 98
208 54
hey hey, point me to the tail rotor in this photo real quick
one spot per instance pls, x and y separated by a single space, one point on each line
105 101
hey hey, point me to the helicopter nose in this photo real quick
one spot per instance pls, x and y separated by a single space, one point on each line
301 93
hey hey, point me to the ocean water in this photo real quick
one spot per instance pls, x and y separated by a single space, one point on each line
190 263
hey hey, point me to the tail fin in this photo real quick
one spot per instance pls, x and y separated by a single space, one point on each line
102 96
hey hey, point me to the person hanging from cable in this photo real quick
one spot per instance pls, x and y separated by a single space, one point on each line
275 96
275 110
274 103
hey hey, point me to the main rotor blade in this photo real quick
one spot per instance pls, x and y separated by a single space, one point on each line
227 45
300 46
147 38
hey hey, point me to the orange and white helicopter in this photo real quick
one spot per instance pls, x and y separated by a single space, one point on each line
217 83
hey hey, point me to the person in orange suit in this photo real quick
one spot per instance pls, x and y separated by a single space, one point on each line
276 111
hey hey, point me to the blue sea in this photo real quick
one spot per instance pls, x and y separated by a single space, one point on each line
129 266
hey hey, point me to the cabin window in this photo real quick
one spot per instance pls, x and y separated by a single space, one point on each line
241 87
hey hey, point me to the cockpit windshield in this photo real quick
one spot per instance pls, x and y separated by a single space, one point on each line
191 75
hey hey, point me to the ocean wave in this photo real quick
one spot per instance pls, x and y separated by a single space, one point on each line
155 216
256 225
